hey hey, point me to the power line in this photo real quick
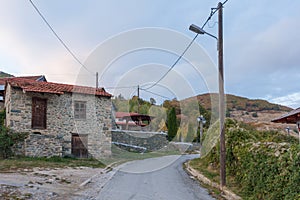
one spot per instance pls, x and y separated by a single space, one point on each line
59 38
121 87
155 93
178 59
213 11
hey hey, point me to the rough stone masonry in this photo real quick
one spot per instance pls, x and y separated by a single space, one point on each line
55 139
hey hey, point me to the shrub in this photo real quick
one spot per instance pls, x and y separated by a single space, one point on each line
254 114
8 138
263 164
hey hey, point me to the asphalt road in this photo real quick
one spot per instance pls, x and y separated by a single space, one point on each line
156 179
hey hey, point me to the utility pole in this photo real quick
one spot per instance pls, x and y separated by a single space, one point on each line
96 80
138 94
221 99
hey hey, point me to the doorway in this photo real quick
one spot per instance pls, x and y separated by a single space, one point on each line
79 145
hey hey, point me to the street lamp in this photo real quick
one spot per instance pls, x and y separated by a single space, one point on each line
201 121
288 130
199 30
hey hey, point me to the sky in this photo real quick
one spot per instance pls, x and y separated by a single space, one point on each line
135 42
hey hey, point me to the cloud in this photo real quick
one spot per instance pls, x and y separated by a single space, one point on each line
291 100
266 62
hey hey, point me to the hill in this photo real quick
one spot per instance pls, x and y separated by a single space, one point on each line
256 112
234 103
3 75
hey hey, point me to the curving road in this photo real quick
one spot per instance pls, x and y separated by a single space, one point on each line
160 178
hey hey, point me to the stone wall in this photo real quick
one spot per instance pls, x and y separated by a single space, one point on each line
60 118
43 145
152 141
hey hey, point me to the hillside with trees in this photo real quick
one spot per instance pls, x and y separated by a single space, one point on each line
237 103
3 75
258 113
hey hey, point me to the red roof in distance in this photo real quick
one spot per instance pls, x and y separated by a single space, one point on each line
291 117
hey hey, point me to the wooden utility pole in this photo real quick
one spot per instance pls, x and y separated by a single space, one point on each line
221 99
97 80
138 94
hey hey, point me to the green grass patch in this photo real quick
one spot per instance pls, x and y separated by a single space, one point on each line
19 163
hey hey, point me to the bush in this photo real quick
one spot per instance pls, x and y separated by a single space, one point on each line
262 164
8 138
254 114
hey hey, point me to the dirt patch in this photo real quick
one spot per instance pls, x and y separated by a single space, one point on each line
59 183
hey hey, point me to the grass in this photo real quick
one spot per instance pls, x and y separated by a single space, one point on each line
213 174
118 156
19 163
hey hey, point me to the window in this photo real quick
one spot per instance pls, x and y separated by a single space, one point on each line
80 110
39 113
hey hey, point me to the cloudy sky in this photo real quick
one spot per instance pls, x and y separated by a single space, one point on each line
135 42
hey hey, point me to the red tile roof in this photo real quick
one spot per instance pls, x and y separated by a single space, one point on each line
133 116
35 78
291 117
3 80
29 85
124 114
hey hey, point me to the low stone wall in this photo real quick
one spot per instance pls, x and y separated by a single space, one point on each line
36 145
152 141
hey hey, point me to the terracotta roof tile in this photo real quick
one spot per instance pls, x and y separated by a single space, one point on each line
290 117
34 78
29 85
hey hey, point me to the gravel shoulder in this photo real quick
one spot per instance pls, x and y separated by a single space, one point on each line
58 183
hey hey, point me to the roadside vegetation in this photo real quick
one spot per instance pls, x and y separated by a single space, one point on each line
260 164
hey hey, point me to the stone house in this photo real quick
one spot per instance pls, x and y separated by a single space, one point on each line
61 119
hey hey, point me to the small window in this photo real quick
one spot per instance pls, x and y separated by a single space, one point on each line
80 110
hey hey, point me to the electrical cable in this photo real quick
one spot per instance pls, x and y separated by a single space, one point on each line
155 94
59 38
121 87
213 11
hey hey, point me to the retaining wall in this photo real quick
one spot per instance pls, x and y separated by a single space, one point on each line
152 141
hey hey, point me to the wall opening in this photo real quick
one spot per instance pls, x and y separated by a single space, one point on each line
79 145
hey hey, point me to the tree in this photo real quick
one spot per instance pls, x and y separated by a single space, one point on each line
206 114
190 134
172 124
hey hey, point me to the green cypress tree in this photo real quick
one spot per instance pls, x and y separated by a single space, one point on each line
172 124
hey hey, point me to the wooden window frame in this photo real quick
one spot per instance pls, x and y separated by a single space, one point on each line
35 115
80 110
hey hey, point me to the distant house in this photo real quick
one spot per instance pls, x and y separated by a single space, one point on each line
292 117
131 121
61 119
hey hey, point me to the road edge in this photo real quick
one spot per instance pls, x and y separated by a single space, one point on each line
226 193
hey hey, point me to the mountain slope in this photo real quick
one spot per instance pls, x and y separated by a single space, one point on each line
237 103
3 75
256 112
